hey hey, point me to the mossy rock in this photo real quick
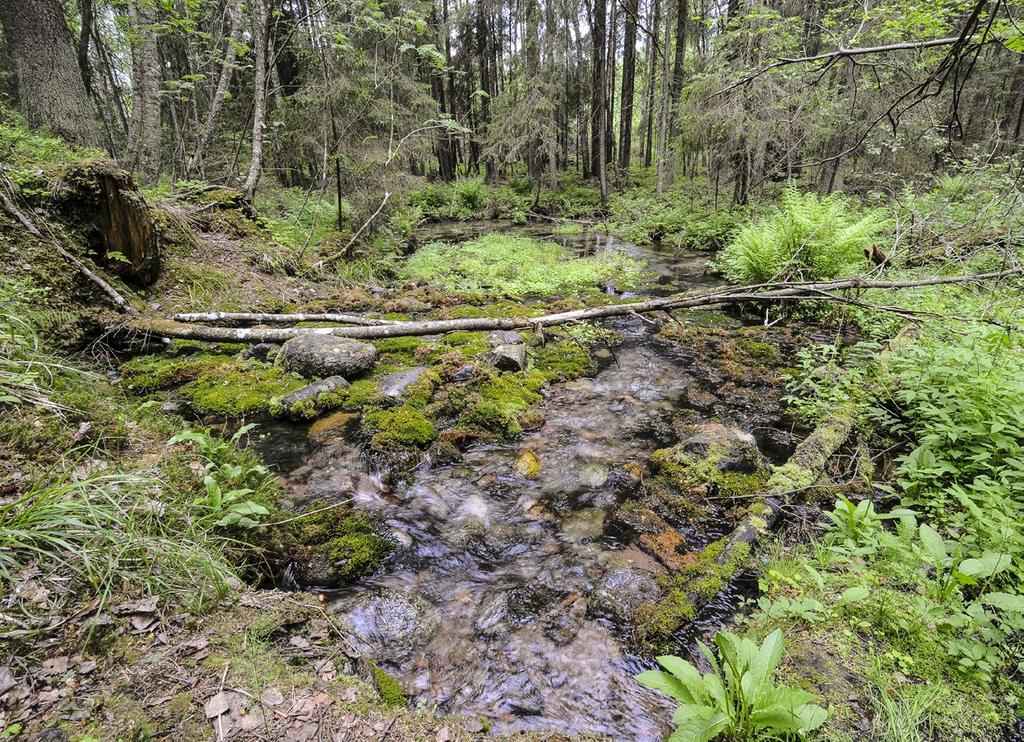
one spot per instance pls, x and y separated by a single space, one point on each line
336 547
398 427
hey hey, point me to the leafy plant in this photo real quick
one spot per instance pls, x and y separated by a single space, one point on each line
806 238
227 503
739 698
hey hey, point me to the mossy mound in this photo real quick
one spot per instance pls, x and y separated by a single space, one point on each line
398 427
336 547
704 575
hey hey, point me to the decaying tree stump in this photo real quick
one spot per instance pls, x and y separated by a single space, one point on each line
113 217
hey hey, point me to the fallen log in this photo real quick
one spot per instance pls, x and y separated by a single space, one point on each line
269 318
826 291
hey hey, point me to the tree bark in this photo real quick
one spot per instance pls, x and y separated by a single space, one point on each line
144 128
260 24
227 71
50 87
630 8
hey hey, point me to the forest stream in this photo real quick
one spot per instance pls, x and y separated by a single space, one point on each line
496 606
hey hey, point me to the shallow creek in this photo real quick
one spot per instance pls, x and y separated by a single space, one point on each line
489 609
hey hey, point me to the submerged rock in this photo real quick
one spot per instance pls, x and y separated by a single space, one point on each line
528 465
392 623
320 356
507 357
622 591
584 525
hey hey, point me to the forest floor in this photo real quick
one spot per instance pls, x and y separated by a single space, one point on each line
156 622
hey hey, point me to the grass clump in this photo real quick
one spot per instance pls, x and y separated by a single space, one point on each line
806 238
518 267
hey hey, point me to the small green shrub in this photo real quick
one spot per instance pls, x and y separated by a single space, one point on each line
739 698
806 238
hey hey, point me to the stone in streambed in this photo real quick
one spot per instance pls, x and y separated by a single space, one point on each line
392 623
507 357
320 356
311 399
393 386
622 591
528 465
504 337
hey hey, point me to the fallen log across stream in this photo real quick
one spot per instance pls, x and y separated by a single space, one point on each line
827 291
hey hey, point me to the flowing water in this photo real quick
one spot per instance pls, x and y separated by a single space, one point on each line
490 608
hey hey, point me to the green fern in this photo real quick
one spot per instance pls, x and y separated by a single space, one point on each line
806 238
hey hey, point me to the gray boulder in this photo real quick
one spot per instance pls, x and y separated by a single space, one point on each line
507 357
393 386
504 337
321 356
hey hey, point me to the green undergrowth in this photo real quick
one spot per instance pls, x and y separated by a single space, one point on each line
517 267
910 621
681 217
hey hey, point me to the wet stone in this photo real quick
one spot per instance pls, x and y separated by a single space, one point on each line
621 592
504 337
392 623
584 525
320 356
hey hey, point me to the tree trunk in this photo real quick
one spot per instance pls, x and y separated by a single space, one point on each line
260 22
682 18
597 104
630 8
652 81
50 88
227 70
144 128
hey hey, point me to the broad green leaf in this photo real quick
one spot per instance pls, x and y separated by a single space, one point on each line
986 566
1004 601
666 683
853 594
933 543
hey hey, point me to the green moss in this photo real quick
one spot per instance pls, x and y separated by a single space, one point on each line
311 407
388 688
358 553
656 622
360 394
563 360
698 582
691 473
757 350
502 401
150 373
398 427
791 477
239 388
470 344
